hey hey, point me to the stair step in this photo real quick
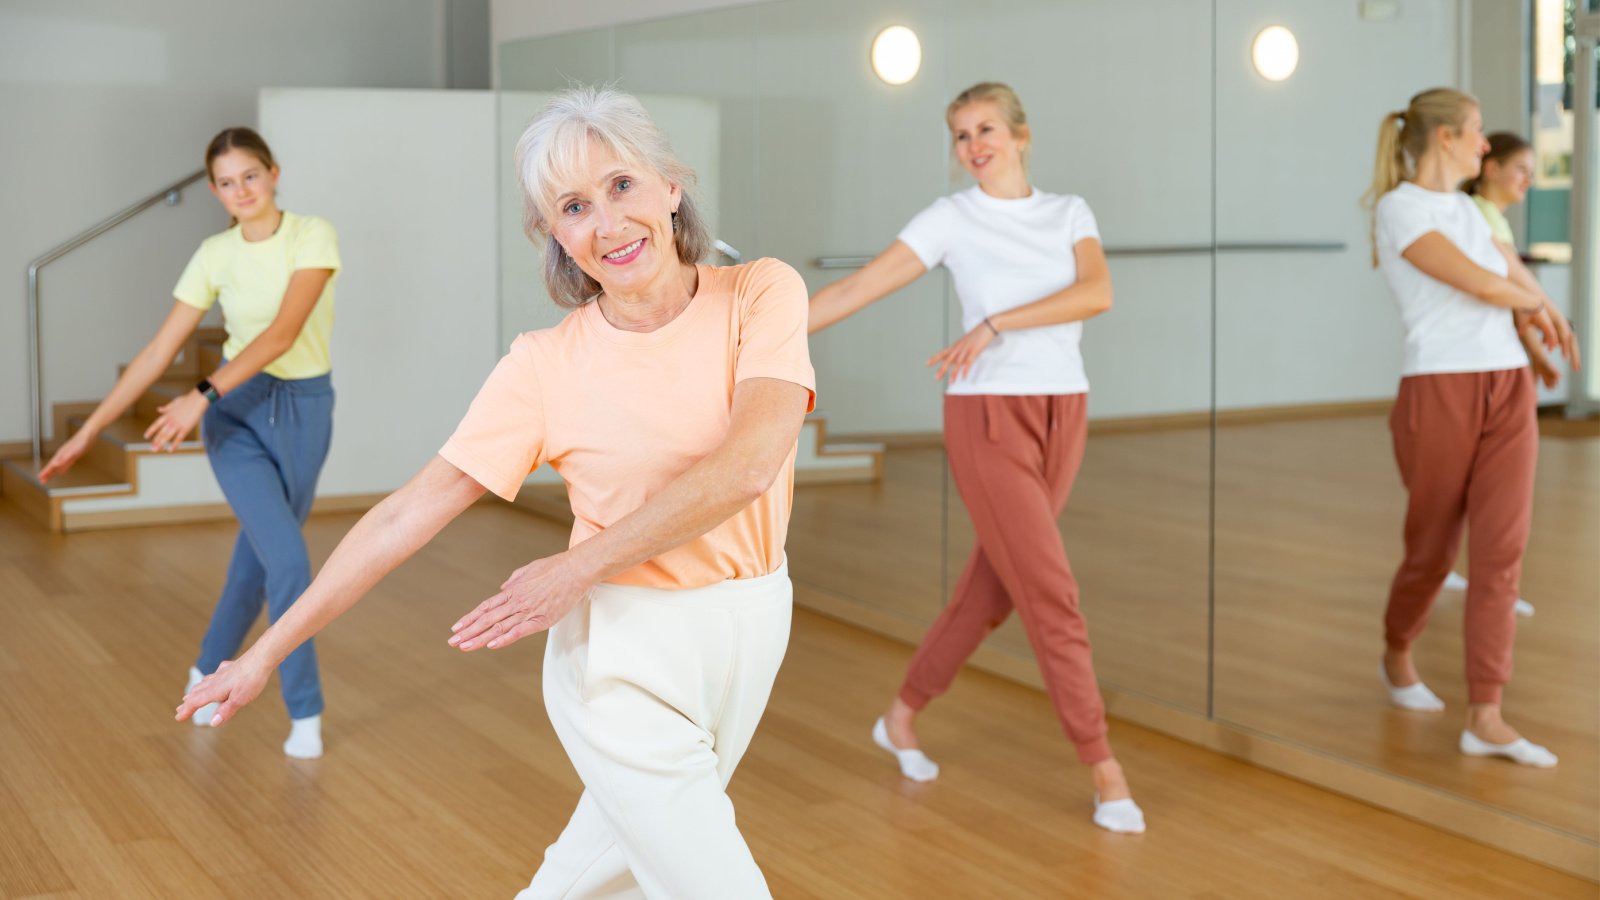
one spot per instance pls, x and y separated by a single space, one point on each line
128 434
85 479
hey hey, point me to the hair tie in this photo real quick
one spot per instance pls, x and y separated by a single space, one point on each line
1401 115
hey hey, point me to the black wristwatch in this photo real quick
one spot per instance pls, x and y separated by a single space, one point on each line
207 391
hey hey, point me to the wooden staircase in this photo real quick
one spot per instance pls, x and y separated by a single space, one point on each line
115 462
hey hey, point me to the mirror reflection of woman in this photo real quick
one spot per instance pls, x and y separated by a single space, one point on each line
267 413
1463 423
1029 269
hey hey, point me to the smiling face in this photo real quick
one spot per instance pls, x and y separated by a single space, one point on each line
1507 180
615 221
244 185
985 145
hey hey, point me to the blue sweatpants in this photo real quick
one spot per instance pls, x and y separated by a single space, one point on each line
267 440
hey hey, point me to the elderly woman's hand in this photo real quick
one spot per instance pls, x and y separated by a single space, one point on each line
534 598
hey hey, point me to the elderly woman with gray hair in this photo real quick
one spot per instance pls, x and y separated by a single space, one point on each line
669 400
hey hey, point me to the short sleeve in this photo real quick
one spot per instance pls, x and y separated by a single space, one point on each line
1400 223
316 246
1080 221
502 437
195 286
928 233
773 310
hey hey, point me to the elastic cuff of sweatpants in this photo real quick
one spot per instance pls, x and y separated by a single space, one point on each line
1094 750
913 698
1480 694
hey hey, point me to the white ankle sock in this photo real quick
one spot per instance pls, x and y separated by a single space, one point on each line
1413 696
201 716
1121 816
1521 750
913 763
305 738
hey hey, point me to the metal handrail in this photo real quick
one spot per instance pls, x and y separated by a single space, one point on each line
170 194
856 262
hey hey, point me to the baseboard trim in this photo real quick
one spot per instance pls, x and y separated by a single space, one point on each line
1256 415
1439 809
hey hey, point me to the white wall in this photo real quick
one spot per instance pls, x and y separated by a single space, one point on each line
409 180
516 20
106 101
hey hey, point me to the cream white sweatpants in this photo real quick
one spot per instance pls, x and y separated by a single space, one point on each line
655 695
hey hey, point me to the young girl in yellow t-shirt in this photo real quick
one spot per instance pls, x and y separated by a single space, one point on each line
266 414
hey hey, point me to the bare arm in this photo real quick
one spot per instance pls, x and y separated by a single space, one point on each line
1556 331
145 369
1085 298
179 417
888 272
385 537
766 418
1438 258
299 299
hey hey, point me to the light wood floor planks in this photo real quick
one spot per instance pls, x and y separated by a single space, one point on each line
443 779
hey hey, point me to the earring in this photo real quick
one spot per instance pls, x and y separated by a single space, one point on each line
674 221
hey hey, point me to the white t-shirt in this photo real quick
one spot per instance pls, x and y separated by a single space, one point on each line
1447 330
1003 254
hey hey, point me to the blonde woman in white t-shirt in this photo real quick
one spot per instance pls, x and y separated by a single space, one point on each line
1029 269
1463 423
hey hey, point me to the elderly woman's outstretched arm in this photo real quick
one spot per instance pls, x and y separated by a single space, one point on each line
766 417
385 537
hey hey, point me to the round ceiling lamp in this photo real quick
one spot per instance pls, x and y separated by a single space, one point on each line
896 54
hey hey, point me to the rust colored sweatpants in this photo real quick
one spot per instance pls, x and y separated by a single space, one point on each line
1014 459
1467 444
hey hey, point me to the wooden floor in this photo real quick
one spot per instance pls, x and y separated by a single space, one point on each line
443 778
1308 534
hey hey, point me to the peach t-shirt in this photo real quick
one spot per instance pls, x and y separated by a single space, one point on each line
620 414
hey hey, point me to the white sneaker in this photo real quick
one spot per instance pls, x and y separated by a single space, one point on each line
1521 751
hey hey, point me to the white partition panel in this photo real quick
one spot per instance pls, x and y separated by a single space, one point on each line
408 179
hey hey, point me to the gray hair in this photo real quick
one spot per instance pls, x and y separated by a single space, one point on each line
553 154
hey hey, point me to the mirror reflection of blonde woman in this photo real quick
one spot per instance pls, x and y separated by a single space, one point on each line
1029 269
1463 423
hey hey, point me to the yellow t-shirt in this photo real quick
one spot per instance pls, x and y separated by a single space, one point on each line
250 277
1499 225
